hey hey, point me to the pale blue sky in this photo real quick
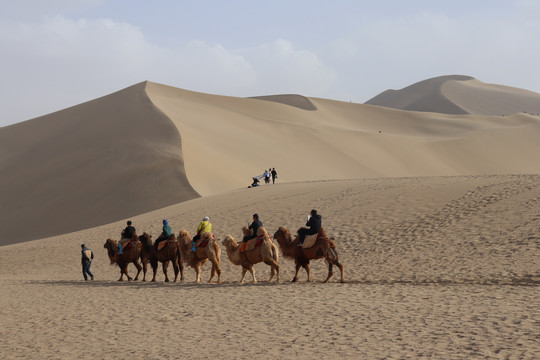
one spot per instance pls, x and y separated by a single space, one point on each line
59 53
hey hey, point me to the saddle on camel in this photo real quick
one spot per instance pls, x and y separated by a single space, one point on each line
256 241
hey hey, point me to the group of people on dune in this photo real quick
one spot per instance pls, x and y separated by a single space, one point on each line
271 173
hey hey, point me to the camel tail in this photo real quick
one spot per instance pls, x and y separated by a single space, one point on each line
333 251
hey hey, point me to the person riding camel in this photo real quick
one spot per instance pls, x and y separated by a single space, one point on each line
204 226
127 233
165 233
314 222
255 225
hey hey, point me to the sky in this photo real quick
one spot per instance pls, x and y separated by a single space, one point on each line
59 53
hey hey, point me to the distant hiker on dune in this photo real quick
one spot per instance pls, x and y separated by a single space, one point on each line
274 175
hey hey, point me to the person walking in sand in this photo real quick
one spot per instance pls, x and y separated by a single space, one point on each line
267 176
274 175
254 226
87 256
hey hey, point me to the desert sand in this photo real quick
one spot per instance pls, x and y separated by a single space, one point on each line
436 218
442 267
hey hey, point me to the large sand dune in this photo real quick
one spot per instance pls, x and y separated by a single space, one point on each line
151 145
458 94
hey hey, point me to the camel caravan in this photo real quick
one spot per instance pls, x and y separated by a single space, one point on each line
257 246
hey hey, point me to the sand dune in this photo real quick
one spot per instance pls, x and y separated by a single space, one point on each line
91 164
440 267
458 94
151 145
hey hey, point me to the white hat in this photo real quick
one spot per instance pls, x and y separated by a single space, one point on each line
206 218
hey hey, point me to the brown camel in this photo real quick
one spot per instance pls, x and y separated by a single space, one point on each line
196 259
324 248
122 260
169 253
267 253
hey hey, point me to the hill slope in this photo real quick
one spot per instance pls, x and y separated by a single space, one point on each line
87 165
152 145
458 94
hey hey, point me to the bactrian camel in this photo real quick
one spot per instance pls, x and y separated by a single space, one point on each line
324 248
267 253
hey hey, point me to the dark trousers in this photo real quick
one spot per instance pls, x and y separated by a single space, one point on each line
86 270
303 232
247 238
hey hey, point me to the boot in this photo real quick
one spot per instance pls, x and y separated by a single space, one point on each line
243 247
120 249
193 248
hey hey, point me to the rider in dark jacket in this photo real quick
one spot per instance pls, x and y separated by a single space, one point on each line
314 223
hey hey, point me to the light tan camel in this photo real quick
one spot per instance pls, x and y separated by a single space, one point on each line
131 255
267 253
196 259
324 248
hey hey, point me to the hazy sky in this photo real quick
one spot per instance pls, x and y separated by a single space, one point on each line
58 53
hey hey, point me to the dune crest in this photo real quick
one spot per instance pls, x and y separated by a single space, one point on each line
298 101
459 94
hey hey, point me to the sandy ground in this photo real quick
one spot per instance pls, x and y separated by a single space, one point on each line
441 267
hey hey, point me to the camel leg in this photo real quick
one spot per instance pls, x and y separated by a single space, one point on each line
198 271
298 266
154 265
252 271
218 269
165 265
244 270
212 273
341 271
308 270
330 272
175 267
181 267
145 269
274 268
139 268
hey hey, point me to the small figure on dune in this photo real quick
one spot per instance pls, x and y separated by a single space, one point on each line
254 183
254 227
274 175
267 176
87 256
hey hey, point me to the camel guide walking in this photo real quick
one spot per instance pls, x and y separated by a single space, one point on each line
86 260
255 225
204 226
127 233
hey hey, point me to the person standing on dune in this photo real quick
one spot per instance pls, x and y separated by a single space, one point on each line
274 175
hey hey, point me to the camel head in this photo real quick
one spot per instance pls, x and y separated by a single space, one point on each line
110 245
229 240
283 234
146 239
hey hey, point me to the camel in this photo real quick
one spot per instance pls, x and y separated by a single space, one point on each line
196 259
324 248
170 253
122 260
267 253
